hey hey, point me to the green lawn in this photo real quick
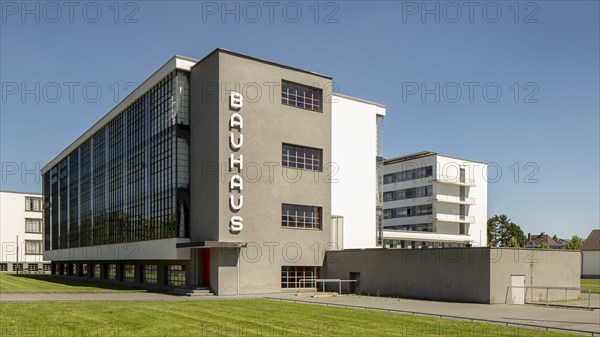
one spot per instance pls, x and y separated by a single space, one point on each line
227 318
22 283
594 285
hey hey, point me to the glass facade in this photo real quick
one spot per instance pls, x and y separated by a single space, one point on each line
130 180
418 173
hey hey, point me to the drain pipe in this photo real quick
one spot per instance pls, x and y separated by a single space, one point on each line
239 251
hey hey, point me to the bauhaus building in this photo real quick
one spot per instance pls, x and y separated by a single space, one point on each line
229 172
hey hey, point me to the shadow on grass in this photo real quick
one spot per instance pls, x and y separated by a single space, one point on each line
72 282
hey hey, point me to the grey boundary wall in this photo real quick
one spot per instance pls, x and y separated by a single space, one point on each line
477 275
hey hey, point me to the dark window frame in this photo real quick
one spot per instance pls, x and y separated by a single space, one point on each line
286 157
286 96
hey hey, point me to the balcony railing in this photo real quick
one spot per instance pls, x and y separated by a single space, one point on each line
452 181
454 218
452 199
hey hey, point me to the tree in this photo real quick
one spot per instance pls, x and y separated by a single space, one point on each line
543 245
502 232
575 243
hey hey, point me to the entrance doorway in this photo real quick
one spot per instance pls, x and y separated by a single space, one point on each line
517 292
355 286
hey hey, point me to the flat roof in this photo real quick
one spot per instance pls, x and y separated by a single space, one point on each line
360 100
423 154
18 192
258 59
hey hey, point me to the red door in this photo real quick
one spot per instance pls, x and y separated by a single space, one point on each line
206 267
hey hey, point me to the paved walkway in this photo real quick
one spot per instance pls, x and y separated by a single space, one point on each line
540 316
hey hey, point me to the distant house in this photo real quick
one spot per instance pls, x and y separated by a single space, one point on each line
590 255
535 241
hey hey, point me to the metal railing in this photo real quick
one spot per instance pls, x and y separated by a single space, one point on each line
546 295
324 281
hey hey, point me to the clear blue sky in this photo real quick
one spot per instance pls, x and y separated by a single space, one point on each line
374 50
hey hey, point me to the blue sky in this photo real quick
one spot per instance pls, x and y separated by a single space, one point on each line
541 131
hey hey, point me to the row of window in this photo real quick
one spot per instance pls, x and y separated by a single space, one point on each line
175 274
291 276
408 193
422 227
412 174
33 267
403 212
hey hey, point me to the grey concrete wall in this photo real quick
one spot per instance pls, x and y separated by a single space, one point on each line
204 150
541 267
480 275
267 125
451 274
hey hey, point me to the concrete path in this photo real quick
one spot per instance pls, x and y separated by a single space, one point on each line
537 316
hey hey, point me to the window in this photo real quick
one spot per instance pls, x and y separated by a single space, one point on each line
302 157
96 272
3 266
403 212
84 270
176 275
33 204
111 271
33 225
33 247
301 96
423 227
415 192
47 267
150 274
17 266
32 267
298 216
419 173
299 277
129 273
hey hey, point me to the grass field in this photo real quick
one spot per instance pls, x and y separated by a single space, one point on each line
11 283
594 285
228 318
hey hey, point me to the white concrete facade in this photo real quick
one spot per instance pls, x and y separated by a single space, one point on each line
21 227
354 172
445 205
590 263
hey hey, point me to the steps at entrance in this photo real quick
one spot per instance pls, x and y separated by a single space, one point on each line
192 292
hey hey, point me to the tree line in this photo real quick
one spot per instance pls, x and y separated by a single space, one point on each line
502 232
